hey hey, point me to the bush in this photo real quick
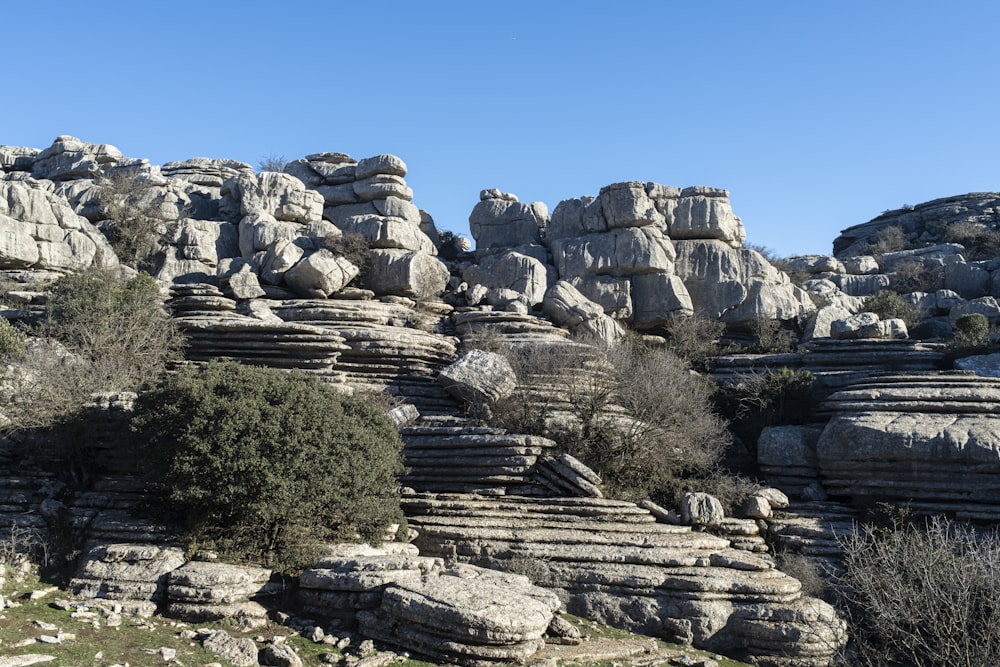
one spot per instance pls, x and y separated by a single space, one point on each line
889 239
890 305
102 335
923 595
773 398
972 330
12 340
264 464
272 162
354 248
913 275
696 338
636 415
770 336
981 242
130 221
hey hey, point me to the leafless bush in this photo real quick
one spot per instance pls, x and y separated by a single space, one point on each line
924 595
272 162
913 276
890 239
637 415
981 242
695 338
770 336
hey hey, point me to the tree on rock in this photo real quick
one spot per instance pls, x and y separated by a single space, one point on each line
264 464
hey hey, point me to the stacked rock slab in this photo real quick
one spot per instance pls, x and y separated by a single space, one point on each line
370 198
458 614
610 561
619 244
466 458
213 330
388 345
135 574
207 591
927 440
835 363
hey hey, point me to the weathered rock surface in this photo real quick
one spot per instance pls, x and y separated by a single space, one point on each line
930 441
134 573
479 376
610 560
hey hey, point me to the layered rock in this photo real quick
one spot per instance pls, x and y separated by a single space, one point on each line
208 591
458 614
610 561
135 574
929 441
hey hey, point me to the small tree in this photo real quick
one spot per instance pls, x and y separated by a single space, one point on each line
890 305
102 334
272 162
130 221
263 464
972 330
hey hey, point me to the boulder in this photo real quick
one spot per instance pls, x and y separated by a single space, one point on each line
628 205
240 651
479 376
417 275
698 216
822 321
985 365
576 217
701 509
320 273
513 270
498 223
815 264
69 158
658 298
867 325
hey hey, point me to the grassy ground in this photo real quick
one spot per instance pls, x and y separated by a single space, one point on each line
89 640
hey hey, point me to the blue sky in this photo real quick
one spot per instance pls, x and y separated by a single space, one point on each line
815 115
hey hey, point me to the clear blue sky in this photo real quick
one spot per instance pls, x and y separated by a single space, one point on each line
815 115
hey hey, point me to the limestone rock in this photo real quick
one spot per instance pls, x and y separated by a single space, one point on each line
500 223
479 376
985 365
621 252
514 270
39 230
321 274
126 571
69 158
627 205
241 651
701 509
658 298
697 216
413 274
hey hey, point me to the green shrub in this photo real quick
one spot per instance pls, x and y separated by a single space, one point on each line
972 330
923 595
354 248
12 340
264 464
890 305
770 336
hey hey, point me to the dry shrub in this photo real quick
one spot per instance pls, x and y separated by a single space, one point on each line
130 224
913 275
923 595
638 416
889 239
695 338
981 242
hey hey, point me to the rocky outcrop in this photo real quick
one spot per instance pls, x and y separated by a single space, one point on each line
209 591
926 223
135 574
610 561
39 231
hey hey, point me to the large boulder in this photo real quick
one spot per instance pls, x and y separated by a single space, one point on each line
499 221
417 275
705 213
625 251
321 274
479 376
513 270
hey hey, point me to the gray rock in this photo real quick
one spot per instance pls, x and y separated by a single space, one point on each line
388 232
706 217
821 323
513 270
380 164
576 217
320 274
244 284
280 654
701 509
501 223
619 252
479 376
658 298
414 274
815 264
241 651
628 205
985 365
382 186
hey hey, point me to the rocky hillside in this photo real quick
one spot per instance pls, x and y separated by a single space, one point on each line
328 267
